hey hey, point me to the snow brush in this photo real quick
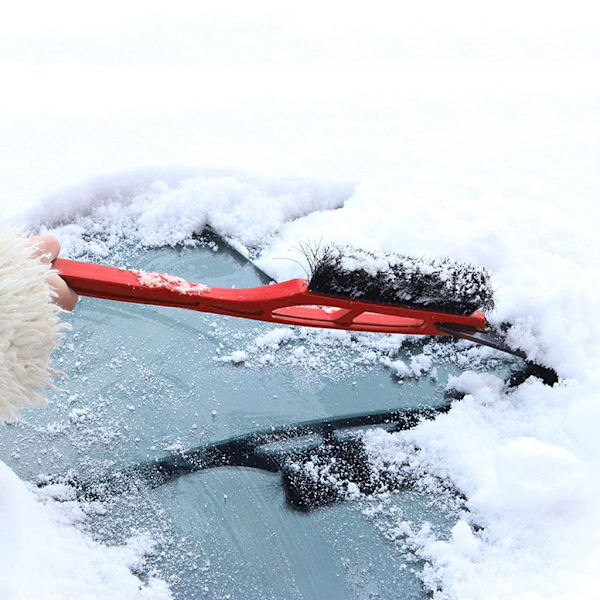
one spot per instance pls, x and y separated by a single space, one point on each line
349 289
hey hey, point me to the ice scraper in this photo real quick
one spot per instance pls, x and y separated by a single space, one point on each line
348 289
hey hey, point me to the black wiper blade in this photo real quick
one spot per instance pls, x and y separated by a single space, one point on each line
259 450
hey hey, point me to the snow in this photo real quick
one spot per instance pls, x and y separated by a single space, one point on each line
530 475
237 357
44 556
170 283
439 130
274 338
418 365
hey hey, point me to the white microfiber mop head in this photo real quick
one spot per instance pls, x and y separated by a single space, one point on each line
29 326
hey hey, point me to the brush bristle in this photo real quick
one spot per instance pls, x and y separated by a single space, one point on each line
438 284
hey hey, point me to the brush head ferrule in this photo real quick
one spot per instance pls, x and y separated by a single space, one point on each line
438 284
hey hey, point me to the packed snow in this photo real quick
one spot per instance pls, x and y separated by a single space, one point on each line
434 131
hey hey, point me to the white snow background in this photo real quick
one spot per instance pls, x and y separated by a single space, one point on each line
458 129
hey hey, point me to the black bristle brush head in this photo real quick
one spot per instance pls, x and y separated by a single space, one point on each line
441 285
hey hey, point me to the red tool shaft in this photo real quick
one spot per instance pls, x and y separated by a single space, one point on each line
289 302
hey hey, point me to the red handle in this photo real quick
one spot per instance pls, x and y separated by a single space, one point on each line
289 302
